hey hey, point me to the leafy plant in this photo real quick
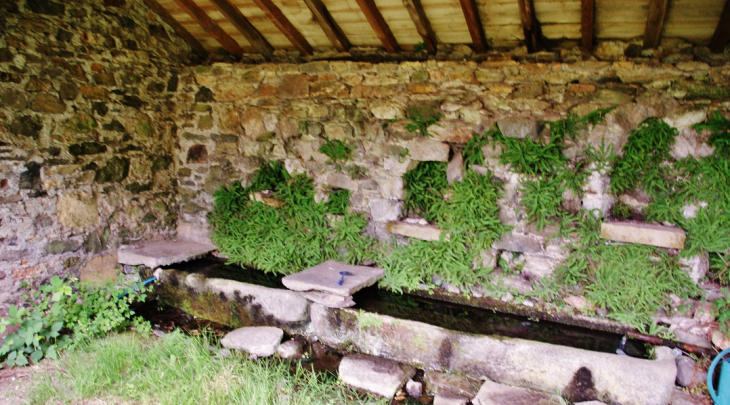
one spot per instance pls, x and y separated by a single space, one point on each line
722 307
356 172
720 138
336 151
421 46
338 202
424 186
542 199
420 124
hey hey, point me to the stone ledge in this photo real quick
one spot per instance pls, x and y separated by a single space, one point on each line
162 253
423 232
644 234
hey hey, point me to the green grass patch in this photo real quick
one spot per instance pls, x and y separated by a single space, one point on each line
179 369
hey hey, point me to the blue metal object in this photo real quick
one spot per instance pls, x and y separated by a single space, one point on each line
722 396
342 276
149 280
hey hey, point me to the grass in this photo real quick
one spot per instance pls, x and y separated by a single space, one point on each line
179 369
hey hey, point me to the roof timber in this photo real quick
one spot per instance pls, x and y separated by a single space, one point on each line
197 14
415 9
285 26
530 26
379 25
586 25
722 33
197 47
329 26
654 23
476 31
252 35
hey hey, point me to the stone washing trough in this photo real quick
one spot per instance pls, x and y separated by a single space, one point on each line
578 375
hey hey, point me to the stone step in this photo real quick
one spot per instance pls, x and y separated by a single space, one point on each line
162 253
644 234
375 374
325 277
261 341
422 232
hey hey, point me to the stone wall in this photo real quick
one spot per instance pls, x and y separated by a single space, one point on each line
87 98
239 115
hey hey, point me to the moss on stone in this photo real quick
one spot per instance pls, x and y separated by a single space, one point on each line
86 148
115 170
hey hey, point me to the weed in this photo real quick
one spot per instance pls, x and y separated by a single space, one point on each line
338 202
620 211
356 172
720 266
473 149
542 199
722 307
424 186
420 124
421 46
336 151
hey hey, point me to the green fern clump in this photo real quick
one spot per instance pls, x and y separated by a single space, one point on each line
542 199
424 186
336 151
290 238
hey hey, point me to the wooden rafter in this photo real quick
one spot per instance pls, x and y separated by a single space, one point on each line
586 25
654 23
379 25
251 34
722 32
328 25
197 14
530 26
285 26
471 14
197 47
415 9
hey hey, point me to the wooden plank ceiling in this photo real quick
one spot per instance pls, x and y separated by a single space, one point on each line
263 26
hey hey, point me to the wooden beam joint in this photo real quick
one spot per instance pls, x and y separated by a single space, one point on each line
586 25
328 25
379 25
530 26
474 23
197 14
285 26
251 34
423 26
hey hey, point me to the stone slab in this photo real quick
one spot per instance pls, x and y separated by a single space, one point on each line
422 232
324 277
451 383
329 300
644 234
492 393
261 341
449 399
163 253
374 374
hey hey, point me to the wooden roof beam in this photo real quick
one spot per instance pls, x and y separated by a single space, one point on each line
423 26
285 26
586 25
476 31
251 34
722 32
654 23
197 14
328 25
379 25
530 26
197 47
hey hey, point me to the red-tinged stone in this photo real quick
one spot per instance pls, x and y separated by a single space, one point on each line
94 92
266 90
293 86
197 154
24 272
47 103
581 88
97 67
421 88
329 90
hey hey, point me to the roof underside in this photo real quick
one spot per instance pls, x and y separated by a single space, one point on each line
504 23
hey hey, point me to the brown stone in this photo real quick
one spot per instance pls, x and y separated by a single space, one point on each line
421 88
329 90
99 270
232 91
68 91
37 84
422 232
14 99
104 79
24 272
47 103
77 209
581 88
197 154
293 86
94 92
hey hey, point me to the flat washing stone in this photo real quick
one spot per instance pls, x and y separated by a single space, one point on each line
492 393
163 253
324 277
644 234
375 374
329 300
261 341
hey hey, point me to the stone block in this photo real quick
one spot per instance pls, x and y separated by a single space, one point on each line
163 253
267 198
374 374
492 393
423 149
329 300
291 349
99 269
422 232
518 127
536 266
644 234
341 180
385 210
455 169
517 242
325 277
78 209
261 341
441 383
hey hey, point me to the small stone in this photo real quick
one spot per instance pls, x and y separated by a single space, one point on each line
385 210
645 234
688 374
696 266
47 7
414 388
62 246
518 127
259 341
704 313
14 99
325 277
423 149
26 125
374 374
47 103
340 180
291 349
86 148
204 95
537 267
329 300
517 242
416 231
455 169
197 154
